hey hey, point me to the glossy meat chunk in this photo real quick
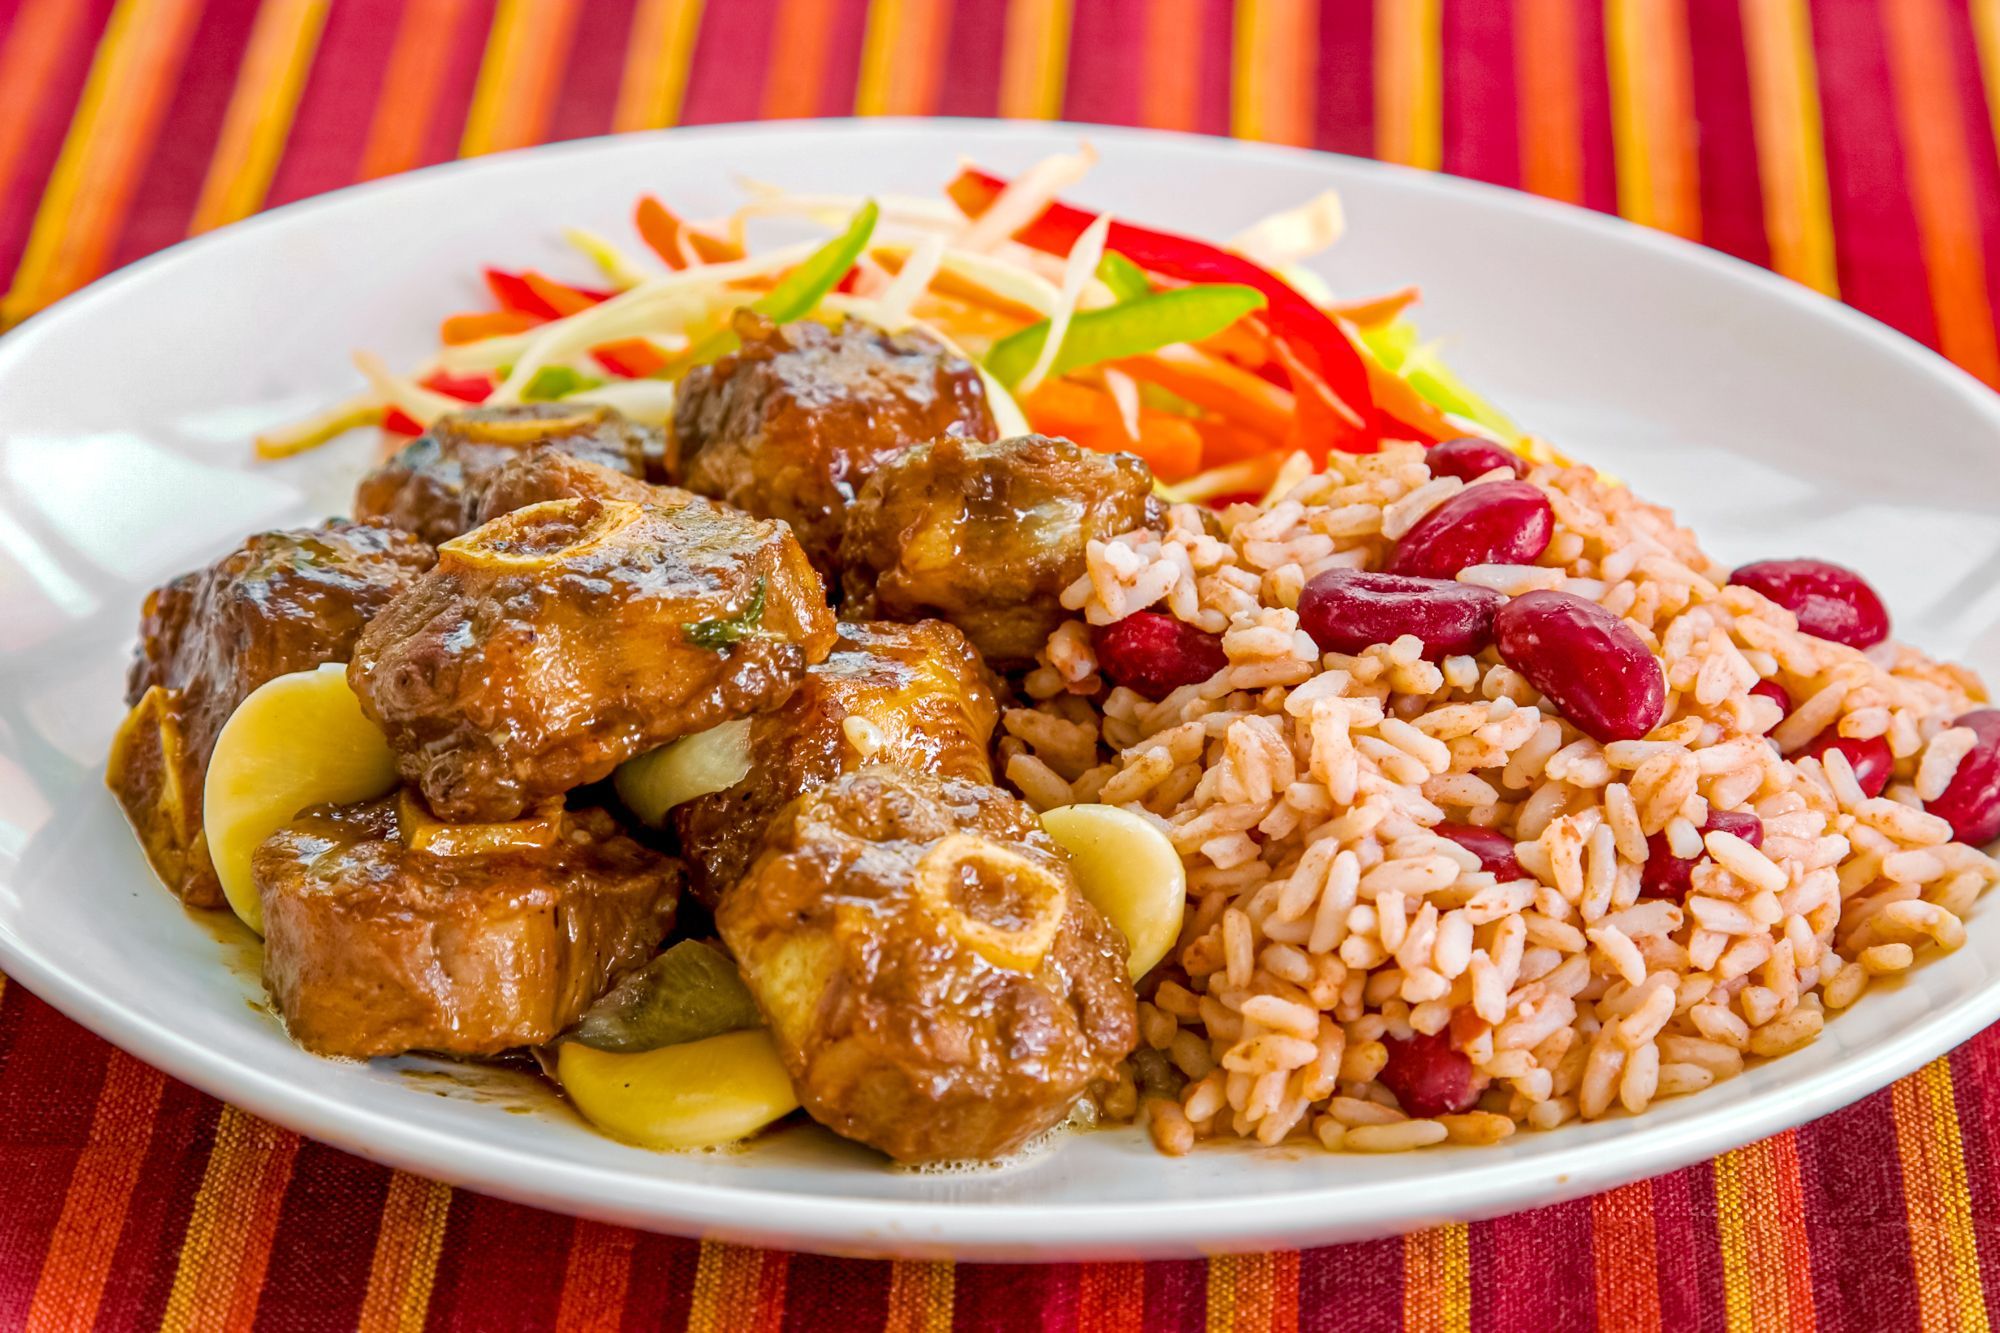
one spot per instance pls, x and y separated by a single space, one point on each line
793 424
915 696
431 486
375 946
934 980
554 643
986 535
549 473
282 602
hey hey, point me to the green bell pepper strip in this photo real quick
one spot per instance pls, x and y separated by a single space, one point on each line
553 382
1395 347
1126 279
797 293
1130 328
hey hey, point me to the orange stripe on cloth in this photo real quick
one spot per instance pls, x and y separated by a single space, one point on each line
1791 153
1171 56
410 87
1938 173
407 1244
1766 1252
1110 1298
117 119
795 72
922 1296
1437 1275
657 56
1943 1245
737 1289
228 1242
1623 1249
1271 77
596 1278
526 50
1652 114
79 1254
41 33
1551 113
1034 59
1253 1293
259 118
1409 83
902 57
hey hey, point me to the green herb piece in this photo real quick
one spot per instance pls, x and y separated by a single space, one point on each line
689 993
718 632
1395 347
553 382
800 291
1126 279
1131 328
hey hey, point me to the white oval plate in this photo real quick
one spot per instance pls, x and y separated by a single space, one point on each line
1777 422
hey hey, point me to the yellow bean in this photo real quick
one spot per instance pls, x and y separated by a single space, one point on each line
694 1095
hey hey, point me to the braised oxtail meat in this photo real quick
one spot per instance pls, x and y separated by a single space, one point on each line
549 473
915 696
281 602
936 984
986 535
555 642
431 486
794 423
388 932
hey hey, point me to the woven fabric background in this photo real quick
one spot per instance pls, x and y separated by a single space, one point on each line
1849 144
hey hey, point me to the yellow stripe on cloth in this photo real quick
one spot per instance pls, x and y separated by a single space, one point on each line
902 56
1652 114
1409 83
1944 1248
408 1240
657 57
1986 35
1766 1253
1271 77
526 50
1791 152
261 107
1437 1280
235 1220
117 118
922 1297
725 1288
1034 60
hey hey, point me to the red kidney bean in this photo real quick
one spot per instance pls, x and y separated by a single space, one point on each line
1428 1076
1830 601
1348 610
1870 759
1668 876
1471 458
1154 654
1498 523
1776 693
1494 849
1590 663
1971 804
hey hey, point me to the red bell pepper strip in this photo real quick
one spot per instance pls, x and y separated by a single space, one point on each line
474 388
630 358
512 291
399 422
1314 341
561 296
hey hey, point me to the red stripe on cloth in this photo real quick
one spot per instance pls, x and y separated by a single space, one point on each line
587 94
1177 1293
1976 1084
457 73
1593 87
1111 1298
142 1270
835 1293
1732 202
1880 257
1688 1250
1481 130
501 1266
1106 61
43 59
1364 1282
318 1270
1344 114
973 51
732 49
840 54
1625 1248
171 180
1982 160
1554 1244
661 1286
1851 1178
978 1290
324 150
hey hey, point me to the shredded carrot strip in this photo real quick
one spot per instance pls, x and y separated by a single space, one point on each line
661 231
1375 309
1170 445
1219 386
479 325
566 300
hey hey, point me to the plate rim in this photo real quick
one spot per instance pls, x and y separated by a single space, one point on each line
1011 1229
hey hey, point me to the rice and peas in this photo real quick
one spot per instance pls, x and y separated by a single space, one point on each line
1329 926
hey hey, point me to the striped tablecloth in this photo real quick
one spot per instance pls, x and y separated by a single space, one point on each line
1849 144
